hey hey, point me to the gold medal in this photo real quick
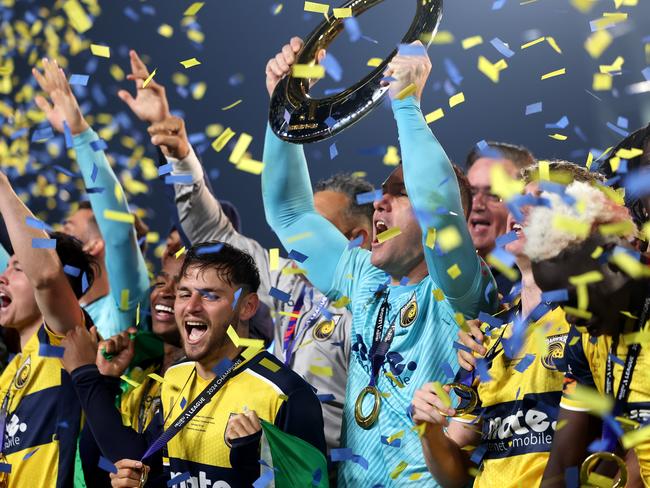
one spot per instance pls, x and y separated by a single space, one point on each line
4 476
367 421
472 402
586 470
143 477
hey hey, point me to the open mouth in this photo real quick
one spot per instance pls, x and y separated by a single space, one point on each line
479 224
164 313
517 228
5 300
195 331
380 226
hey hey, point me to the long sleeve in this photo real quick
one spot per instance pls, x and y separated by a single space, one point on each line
289 208
433 190
124 261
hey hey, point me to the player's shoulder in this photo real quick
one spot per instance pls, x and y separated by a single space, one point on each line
270 370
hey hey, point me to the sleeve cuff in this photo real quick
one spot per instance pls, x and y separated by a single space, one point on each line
188 165
407 102
85 137
85 371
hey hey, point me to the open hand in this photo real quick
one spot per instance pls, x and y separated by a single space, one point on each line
406 71
150 103
279 66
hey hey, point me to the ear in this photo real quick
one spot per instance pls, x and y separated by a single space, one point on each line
364 233
95 247
248 306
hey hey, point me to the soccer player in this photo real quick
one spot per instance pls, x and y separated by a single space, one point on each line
402 294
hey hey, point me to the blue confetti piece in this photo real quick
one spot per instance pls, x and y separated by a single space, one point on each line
333 91
222 366
332 67
525 362
342 454
493 322
279 294
446 369
353 29
369 197
297 256
131 14
617 360
598 445
504 239
84 283
264 480
19 133
479 453
37 224
502 47
483 370
411 50
356 242
93 174
67 134
556 296
205 293
236 299
498 4
63 424
236 79
563 123
646 73
330 121
5 467
488 290
183 402
572 477
534 108
452 72
462 347
333 151
96 189
180 478
106 465
316 477
43 243
50 351
622 122
71 270
619 131
65 171
30 454
327 397
98 145
504 256
404 281
41 135
165 169
360 460
76 79
394 443
210 249
178 180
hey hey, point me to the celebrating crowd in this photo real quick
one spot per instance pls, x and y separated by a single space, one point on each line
447 330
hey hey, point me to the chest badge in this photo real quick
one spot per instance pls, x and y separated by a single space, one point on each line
409 312
23 373
324 330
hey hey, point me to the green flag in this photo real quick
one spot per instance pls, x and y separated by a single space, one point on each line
295 463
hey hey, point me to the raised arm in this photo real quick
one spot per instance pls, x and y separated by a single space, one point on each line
433 190
288 197
42 266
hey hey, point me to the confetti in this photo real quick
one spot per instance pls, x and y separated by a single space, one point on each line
77 15
407 92
457 99
221 141
492 71
232 105
149 78
101 51
553 74
117 216
471 42
190 63
193 9
308 71
43 243
321 370
240 147
435 115
106 465
388 234
533 108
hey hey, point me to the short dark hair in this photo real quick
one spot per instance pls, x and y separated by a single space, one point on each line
85 205
519 155
351 186
465 190
79 266
234 266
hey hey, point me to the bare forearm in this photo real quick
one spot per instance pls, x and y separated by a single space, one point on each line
448 464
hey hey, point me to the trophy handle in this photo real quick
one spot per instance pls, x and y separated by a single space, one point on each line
296 117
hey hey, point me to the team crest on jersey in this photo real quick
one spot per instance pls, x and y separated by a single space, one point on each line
23 373
555 347
324 330
409 312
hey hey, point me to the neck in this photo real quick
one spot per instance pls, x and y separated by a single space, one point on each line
417 274
483 252
171 355
100 287
204 367
25 333
531 294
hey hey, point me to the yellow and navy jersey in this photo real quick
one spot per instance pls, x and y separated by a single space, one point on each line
518 405
586 362
43 416
263 384
140 404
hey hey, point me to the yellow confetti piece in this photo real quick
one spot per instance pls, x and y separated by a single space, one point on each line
442 394
492 71
131 382
240 148
388 234
576 312
615 67
597 253
223 139
190 63
407 92
449 238
630 266
156 377
571 226
590 160
419 429
395 381
454 271
442 37
166 30
249 352
232 105
374 62
290 314
602 82
321 370
341 302
293 271
318 8
193 9
398 470
308 71
180 252
629 153
395 436
391 158
116 216
510 273
553 43
342 13
149 78
438 295
471 42
430 241
242 341
124 299
583 6
597 43
553 74
284 398
624 228
435 115
558 137
640 337
250 166
77 15
101 51
532 43
116 72
592 399
561 424
299 237
270 365
278 9
274 258
457 99
545 170
502 184
137 315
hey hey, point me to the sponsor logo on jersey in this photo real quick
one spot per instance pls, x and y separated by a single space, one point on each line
13 432
199 481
